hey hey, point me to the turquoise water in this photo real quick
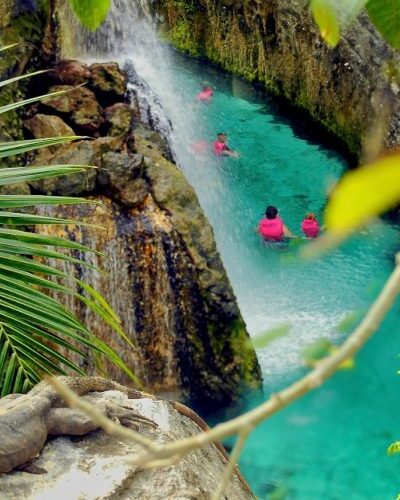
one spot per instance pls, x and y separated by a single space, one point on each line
333 442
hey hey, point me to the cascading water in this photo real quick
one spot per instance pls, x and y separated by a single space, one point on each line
334 441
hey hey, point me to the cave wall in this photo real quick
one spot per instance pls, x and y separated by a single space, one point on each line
276 42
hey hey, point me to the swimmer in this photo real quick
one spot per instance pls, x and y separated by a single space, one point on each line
199 148
206 95
271 227
221 147
310 226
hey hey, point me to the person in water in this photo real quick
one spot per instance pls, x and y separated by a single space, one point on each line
206 95
221 148
310 226
271 227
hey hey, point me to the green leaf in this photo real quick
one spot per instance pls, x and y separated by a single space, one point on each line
19 201
13 148
48 240
7 47
320 349
327 20
363 194
394 448
265 338
385 14
91 13
350 321
25 102
317 351
21 77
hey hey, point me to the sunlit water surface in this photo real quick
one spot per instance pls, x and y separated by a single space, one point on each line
333 442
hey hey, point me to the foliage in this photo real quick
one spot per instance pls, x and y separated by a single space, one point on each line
32 324
334 15
91 13
385 14
327 20
394 448
270 335
363 194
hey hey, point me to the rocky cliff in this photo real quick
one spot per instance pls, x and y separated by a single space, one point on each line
164 276
276 42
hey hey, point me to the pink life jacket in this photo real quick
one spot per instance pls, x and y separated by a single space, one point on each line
310 228
205 95
271 229
219 147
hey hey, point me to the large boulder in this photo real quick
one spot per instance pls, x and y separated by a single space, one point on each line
119 118
121 175
78 153
42 126
79 106
108 82
71 72
96 465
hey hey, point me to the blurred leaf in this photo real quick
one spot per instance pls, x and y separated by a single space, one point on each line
350 321
385 14
327 20
316 351
91 13
320 349
394 448
270 335
363 194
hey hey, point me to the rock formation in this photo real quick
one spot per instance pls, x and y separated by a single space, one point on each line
277 43
165 278
95 465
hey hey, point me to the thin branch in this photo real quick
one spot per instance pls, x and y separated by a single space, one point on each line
99 418
237 450
167 454
314 379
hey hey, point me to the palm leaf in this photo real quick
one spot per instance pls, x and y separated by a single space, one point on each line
34 325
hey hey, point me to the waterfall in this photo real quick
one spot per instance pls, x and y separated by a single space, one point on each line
129 36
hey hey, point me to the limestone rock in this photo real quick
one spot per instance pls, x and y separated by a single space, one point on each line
120 174
41 126
119 118
71 72
78 105
78 153
96 467
108 82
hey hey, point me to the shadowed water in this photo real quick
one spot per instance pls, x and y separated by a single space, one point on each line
333 442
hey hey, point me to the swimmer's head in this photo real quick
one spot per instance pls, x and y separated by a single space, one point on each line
207 89
311 216
271 212
222 137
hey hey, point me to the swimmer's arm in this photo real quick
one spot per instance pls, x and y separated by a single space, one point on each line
229 152
287 233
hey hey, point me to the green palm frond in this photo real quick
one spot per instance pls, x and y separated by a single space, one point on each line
33 325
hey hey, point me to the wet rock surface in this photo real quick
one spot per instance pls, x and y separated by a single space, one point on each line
78 105
164 276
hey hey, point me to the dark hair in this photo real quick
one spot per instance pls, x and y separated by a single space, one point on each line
271 212
221 133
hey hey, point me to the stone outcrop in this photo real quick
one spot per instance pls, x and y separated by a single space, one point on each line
94 465
164 276
277 43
